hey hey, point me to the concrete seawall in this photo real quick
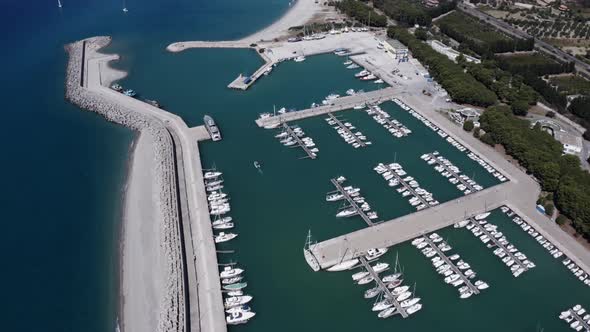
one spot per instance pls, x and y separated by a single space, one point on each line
172 308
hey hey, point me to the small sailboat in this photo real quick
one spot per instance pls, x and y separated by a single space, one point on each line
309 257
59 4
124 7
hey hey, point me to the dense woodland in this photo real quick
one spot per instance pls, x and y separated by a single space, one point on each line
479 37
542 156
408 13
361 12
461 86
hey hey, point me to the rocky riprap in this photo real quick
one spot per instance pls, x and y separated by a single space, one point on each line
172 310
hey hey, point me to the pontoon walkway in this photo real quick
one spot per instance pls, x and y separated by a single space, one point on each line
351 201
386 292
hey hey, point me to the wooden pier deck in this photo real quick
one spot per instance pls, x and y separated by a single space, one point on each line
499 245
407 186
345 128
351 201
453 173
452 265
301 144
339 104
386 291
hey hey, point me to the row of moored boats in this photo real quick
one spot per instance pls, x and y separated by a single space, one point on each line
232 278
395 128
395 175
350 193
577 317
131 93
345 129
455 271
451 140
577 271
296 136
447 169
490 236
393 296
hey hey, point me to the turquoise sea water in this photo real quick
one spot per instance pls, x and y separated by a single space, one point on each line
66 169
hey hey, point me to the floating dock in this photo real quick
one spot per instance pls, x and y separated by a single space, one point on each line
386 291
390 123
301 144
452 265
352 203
499 245
348 131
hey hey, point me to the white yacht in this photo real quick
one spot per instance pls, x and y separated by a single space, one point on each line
380 267
359 275
410 302
391 277
365 280
211 175
300 58
229 272
387 312
235 301
346 265
239 317
224 237
346 213
373 253
482 216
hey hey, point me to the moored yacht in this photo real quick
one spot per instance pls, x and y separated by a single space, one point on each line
239 317
346 265
224 237
212 128
229 272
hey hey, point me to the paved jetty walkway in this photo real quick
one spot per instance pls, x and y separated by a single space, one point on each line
338 104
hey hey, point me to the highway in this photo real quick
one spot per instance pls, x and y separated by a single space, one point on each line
582 67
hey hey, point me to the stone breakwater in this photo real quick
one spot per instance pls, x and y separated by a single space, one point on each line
172 309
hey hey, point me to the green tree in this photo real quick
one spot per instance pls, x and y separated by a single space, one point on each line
468 125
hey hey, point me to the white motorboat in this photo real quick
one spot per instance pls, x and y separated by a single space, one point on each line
466 294
346 265
211 175
365 280
226 225
400 290
373 253
370 293
224 237
482 216
380 267
239 317
237 292
300 58
410 302
404 296
359 275
382 305
391 277
387 313
242 308
462 223
221 221
235 301
229 272
417 241
416 307
451 278
346 213
481 285
231 280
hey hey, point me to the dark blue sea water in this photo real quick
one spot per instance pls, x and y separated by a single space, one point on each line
64 169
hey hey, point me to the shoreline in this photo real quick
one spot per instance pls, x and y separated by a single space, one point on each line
120 314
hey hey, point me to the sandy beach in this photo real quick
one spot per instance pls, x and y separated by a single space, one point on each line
142 259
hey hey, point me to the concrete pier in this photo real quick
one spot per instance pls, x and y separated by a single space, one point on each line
338 104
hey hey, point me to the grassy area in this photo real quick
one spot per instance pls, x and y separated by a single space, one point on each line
571 84
471 27
528 59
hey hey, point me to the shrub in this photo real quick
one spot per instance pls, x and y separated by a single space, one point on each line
468 125
561 219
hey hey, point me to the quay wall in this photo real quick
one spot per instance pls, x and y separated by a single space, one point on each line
172 310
